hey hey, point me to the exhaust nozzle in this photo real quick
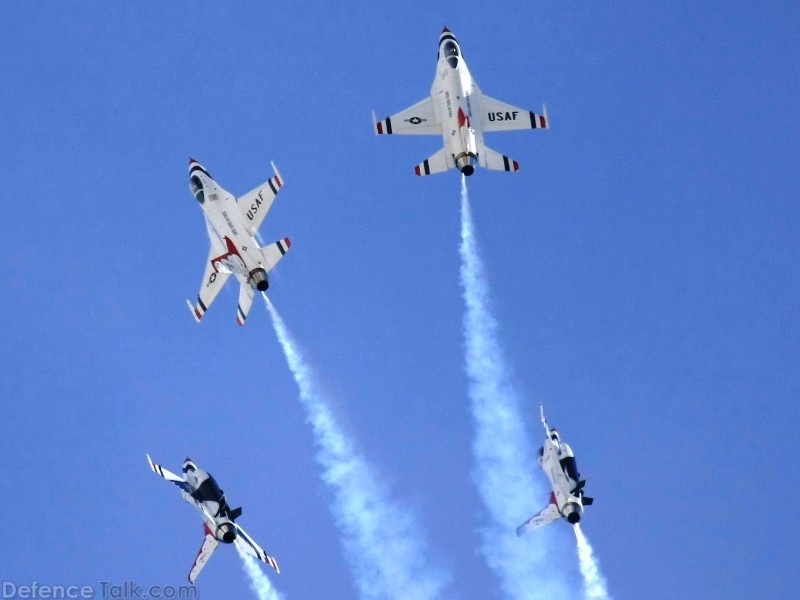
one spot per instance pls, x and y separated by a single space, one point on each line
258 279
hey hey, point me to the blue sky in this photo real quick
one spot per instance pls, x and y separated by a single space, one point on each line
642 266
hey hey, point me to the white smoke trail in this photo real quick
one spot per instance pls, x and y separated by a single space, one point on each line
258 581
593 581
503 455
382 540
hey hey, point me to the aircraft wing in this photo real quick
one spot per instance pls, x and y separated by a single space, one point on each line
499 116
419 119
210 287
169 476
210 543
246 543
256 203
547 515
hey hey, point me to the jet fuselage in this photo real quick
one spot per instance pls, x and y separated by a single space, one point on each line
457 100
239 252
215 510
568 504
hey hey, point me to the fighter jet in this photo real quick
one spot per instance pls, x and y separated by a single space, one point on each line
200 490
459 112
566 499
232 226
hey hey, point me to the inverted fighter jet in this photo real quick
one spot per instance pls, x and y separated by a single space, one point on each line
200 490
232 226
459 112
566 499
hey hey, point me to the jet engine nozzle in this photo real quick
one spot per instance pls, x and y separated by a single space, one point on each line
226 533
572 512
258 279
466 163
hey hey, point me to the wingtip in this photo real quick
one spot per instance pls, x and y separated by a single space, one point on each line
277 173
193 310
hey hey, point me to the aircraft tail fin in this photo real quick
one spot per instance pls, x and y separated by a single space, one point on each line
547 515
235 513
494 161
210 543
437 163
246 295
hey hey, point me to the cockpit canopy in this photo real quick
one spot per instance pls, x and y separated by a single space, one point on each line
451 53
197 188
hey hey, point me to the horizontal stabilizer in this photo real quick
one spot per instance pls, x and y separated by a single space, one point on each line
248 544
586 500
235 513
438 163
275 252
494 161
213 281
246 295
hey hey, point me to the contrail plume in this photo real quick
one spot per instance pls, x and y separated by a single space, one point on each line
593 581
258 581
382 540
504 460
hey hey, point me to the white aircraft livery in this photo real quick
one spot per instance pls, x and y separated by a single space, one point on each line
459 112
200 490
567 498
232 226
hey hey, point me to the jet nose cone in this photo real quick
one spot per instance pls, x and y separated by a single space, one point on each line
446 30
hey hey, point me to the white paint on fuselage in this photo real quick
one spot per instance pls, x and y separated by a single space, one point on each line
224 219
558 480
454 88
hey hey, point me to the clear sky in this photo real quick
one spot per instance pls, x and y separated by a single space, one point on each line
642 267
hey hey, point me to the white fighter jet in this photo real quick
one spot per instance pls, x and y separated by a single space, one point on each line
200 490
459 112
232 226
566 500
